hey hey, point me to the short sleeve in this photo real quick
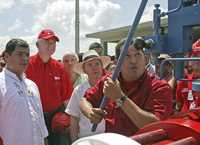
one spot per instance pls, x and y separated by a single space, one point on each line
73 104
160 101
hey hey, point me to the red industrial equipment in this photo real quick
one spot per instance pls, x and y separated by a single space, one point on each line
181 129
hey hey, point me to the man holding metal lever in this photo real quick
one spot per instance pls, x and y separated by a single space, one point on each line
136 99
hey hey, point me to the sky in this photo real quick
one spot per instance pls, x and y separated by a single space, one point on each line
26 18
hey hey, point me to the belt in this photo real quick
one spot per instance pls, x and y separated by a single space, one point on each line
59 109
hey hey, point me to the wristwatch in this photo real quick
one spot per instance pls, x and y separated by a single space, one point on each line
120 101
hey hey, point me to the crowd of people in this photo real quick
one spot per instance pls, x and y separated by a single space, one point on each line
35 89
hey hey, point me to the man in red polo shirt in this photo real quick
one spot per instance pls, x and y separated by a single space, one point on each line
49 75
135 100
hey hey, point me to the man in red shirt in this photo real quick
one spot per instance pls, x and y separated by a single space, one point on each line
186 98
54 83
135 100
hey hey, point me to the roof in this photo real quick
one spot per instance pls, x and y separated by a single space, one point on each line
114 35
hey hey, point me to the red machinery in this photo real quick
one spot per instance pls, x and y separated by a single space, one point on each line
182 129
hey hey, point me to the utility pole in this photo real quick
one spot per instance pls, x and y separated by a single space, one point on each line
77 46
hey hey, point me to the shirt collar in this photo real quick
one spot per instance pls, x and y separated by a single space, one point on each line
138 81
13 75
130 87
39 59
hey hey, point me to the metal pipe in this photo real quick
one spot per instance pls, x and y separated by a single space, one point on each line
150 137
124 51
186 141
77 35
175 59
156 20
172 11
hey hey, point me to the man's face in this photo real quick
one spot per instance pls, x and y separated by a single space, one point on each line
166 69
69 61
99 50
47 47
134 63
93 69
18 60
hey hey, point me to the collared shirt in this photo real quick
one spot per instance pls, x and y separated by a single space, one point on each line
73 109
148 92
81 79
21 116
151 68
52 80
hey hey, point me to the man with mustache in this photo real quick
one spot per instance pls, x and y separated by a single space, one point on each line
21 117
136 99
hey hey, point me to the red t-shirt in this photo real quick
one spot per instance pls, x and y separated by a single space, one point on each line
148 92
53 82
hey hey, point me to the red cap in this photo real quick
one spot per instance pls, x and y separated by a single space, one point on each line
47 34
60 122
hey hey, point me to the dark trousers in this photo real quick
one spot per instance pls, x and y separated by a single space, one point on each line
55 138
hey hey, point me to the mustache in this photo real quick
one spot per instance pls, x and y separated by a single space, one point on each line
133 67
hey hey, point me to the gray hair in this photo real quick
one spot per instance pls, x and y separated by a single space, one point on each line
71 53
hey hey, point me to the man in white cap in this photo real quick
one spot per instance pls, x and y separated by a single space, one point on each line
93 65
97 47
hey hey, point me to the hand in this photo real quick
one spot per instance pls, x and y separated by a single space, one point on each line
112 89
96 115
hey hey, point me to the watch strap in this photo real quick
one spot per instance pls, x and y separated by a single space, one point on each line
120 101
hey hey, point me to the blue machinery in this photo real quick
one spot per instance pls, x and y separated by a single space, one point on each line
183 15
